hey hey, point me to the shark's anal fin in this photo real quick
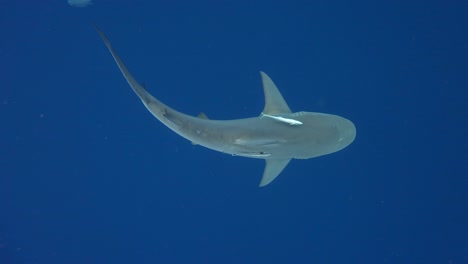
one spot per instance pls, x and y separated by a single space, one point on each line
273 168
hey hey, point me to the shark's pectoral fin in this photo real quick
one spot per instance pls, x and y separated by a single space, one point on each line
273 168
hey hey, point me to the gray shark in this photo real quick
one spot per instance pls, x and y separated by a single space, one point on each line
277 135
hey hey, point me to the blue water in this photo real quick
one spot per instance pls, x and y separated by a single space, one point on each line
87 175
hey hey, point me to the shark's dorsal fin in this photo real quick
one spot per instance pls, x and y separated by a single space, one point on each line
273 168
274 102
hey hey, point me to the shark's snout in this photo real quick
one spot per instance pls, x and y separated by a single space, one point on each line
347 132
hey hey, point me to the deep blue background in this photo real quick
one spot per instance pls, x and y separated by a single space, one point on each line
87 175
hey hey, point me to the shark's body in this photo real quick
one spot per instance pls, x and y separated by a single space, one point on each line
282 136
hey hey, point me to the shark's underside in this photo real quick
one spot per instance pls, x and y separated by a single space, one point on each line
277 135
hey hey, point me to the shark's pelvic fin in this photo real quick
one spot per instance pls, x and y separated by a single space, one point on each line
273 168
274 102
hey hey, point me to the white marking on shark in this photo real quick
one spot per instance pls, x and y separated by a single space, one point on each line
289 121
309 134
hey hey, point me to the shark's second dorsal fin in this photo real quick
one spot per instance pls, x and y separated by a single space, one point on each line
202 116
274 102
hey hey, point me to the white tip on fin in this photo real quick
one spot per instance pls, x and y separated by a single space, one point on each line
273 168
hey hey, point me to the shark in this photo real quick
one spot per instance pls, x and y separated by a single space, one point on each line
278 135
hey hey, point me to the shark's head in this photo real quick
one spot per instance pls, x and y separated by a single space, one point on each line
320 134
346 133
